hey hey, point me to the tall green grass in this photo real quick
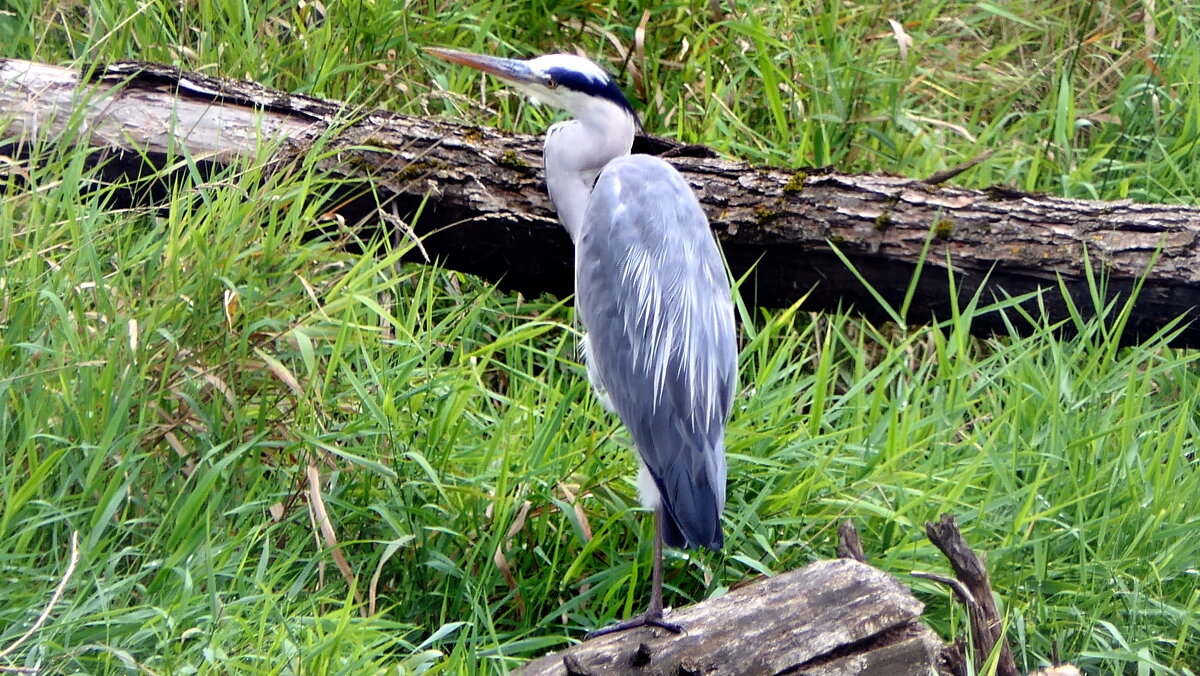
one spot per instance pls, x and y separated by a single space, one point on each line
169 378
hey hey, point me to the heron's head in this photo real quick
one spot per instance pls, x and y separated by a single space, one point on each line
564 81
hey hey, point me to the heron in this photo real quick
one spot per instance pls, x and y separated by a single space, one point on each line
651 294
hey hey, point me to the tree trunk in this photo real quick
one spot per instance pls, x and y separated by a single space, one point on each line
832 618
483 208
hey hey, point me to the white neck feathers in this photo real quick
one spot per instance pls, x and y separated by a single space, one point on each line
576 152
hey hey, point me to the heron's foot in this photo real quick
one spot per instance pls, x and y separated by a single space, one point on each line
646 619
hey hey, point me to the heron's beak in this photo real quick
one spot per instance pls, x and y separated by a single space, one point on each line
509 70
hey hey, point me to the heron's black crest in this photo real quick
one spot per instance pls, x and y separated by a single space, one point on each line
586 83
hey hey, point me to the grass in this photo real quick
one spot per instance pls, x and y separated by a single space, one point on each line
169 379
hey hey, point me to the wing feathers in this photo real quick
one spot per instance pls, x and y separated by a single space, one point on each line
652 294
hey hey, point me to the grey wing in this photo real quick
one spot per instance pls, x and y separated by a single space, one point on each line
653 296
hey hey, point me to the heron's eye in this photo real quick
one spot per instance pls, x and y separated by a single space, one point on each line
550 83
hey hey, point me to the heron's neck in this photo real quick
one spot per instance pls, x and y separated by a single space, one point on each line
575 153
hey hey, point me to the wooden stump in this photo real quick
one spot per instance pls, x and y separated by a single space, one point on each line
835 617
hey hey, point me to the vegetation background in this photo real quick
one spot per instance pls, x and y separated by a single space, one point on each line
171 382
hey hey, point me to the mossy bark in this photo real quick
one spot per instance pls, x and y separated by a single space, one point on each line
476 199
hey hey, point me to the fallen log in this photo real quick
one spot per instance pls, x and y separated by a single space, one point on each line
831 618
483 208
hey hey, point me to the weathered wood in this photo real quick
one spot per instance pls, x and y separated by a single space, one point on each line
975 592
849 544
483 208
830 618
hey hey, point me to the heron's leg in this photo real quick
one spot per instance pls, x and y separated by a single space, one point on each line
655 610
653 615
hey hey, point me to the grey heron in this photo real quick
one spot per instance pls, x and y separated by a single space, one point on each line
651 293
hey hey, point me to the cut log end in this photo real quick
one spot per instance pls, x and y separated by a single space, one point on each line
831 617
